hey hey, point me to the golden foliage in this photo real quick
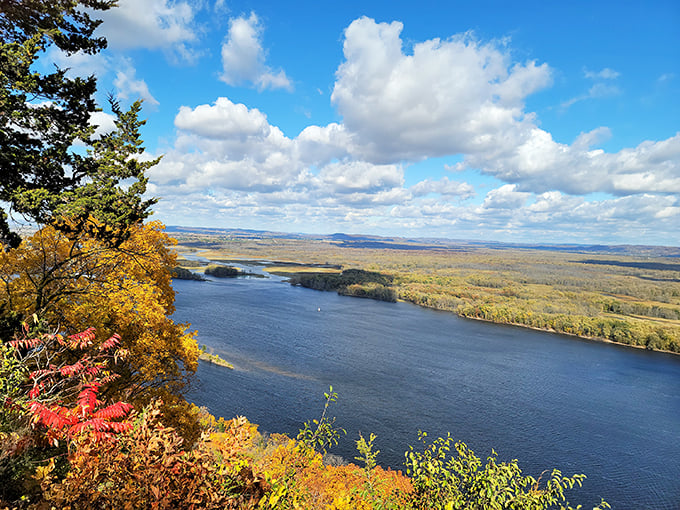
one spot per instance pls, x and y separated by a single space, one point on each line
300 479
80 282
148 467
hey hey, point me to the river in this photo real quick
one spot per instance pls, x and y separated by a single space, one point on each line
548 400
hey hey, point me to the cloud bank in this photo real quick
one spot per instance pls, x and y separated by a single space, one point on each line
446 97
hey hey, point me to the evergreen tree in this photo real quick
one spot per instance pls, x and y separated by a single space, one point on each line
43 114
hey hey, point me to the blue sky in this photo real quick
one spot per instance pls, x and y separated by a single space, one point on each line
511 121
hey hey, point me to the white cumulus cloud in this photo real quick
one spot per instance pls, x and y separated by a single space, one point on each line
223 120
358 176
505 197
243 57
130 87
444 187
157 24
449 96
541 164
103 122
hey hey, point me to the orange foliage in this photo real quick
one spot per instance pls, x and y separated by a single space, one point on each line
300 479
148 468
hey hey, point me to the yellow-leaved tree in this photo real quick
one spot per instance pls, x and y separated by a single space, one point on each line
94 263
80 282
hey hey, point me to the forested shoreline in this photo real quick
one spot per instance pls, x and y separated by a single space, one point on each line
608 329
351 282
624 300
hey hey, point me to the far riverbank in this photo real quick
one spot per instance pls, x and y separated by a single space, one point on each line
627 300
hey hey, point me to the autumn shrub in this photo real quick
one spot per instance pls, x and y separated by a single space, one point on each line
322 434
300 479
50 384
147 467
78 451
181 415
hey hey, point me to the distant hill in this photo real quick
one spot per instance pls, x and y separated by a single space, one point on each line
402 243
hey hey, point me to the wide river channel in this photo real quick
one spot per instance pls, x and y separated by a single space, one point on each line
548 400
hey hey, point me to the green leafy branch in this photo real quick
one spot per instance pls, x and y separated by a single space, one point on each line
322 434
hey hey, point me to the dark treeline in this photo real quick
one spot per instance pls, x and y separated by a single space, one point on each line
658 266
222 271
181 273
351 282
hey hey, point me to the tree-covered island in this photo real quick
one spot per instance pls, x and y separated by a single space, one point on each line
213 358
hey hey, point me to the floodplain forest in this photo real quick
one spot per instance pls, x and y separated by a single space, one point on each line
631 299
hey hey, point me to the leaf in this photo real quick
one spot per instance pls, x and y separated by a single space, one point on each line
55 418
70 370
26 343
114 411
155 491
83 339
87 399
110 343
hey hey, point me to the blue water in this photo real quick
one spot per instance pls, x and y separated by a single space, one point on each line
550 401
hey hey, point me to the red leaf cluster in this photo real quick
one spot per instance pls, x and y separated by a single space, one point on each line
69 370
114 411
63 421
89 413
112 342
26 343
83 339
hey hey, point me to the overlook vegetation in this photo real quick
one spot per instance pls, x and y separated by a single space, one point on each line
93 369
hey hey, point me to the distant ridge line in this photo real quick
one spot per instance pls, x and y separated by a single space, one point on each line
404 243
